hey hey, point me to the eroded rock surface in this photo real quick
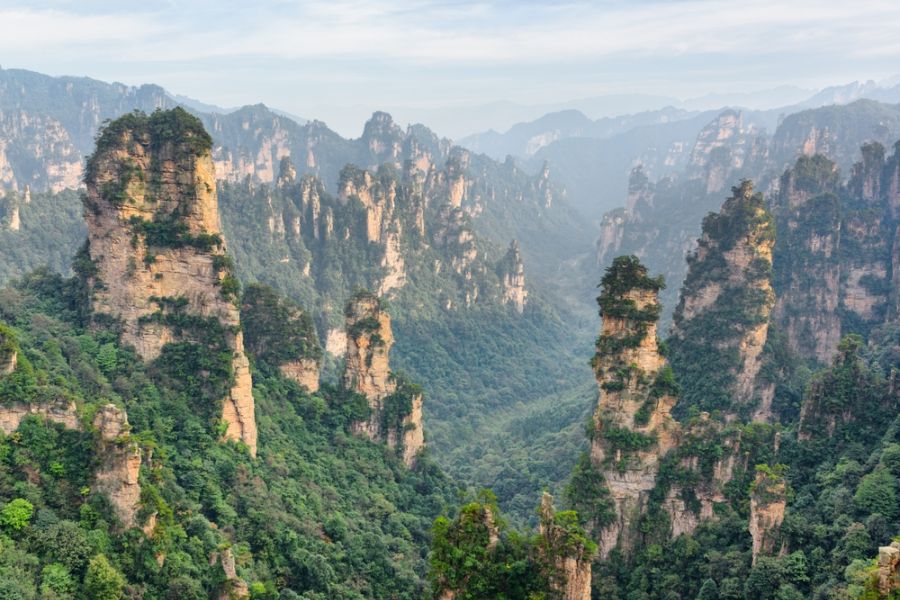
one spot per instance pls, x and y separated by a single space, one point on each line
768 500
395 405
156 246
511 271
633 427
725 305
120 463
64 413
570 577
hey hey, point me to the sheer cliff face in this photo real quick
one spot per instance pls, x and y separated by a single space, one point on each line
768 500
511 271
37 150
9 354
120 463
837 251
806 256
570 563
662 230
156 247
384 230
725 305
633 427
724 146
369 341
378 197
395 406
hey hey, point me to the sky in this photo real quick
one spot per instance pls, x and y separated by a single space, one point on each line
339 60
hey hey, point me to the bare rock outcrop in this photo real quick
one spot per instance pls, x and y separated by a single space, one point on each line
838 254
378 195
369 342
157 250
569 557
64 413
768 500
723 146
120 463
889 569
725 305
511 271
395 405
9 354
632 424
234 588
304 371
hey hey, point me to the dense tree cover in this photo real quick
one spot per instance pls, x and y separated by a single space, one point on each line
477 556
51 230
489 371
276 330
506 393
841 469
319 514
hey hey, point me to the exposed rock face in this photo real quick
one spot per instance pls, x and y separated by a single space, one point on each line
630 407
304 371
725 306
9 355
13 220
768 499
808 284
369 341
120 463
512 278
708 488
279 333
888 569
64 413
234 588
836 260
409 437
25 136
570 577
722 147
336 342
155 242
395 406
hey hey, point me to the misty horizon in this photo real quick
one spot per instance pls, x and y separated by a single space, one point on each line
339 62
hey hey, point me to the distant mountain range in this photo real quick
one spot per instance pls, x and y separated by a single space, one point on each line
526 138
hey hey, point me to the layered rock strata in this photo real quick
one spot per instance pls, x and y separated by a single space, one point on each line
632 424
570 576
768 500
724 311
157 249
395 406
120 463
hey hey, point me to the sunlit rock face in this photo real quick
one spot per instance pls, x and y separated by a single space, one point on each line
156 247
395 407
626 364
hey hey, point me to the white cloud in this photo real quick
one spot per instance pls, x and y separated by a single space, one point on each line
425 52
466 32
24 30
